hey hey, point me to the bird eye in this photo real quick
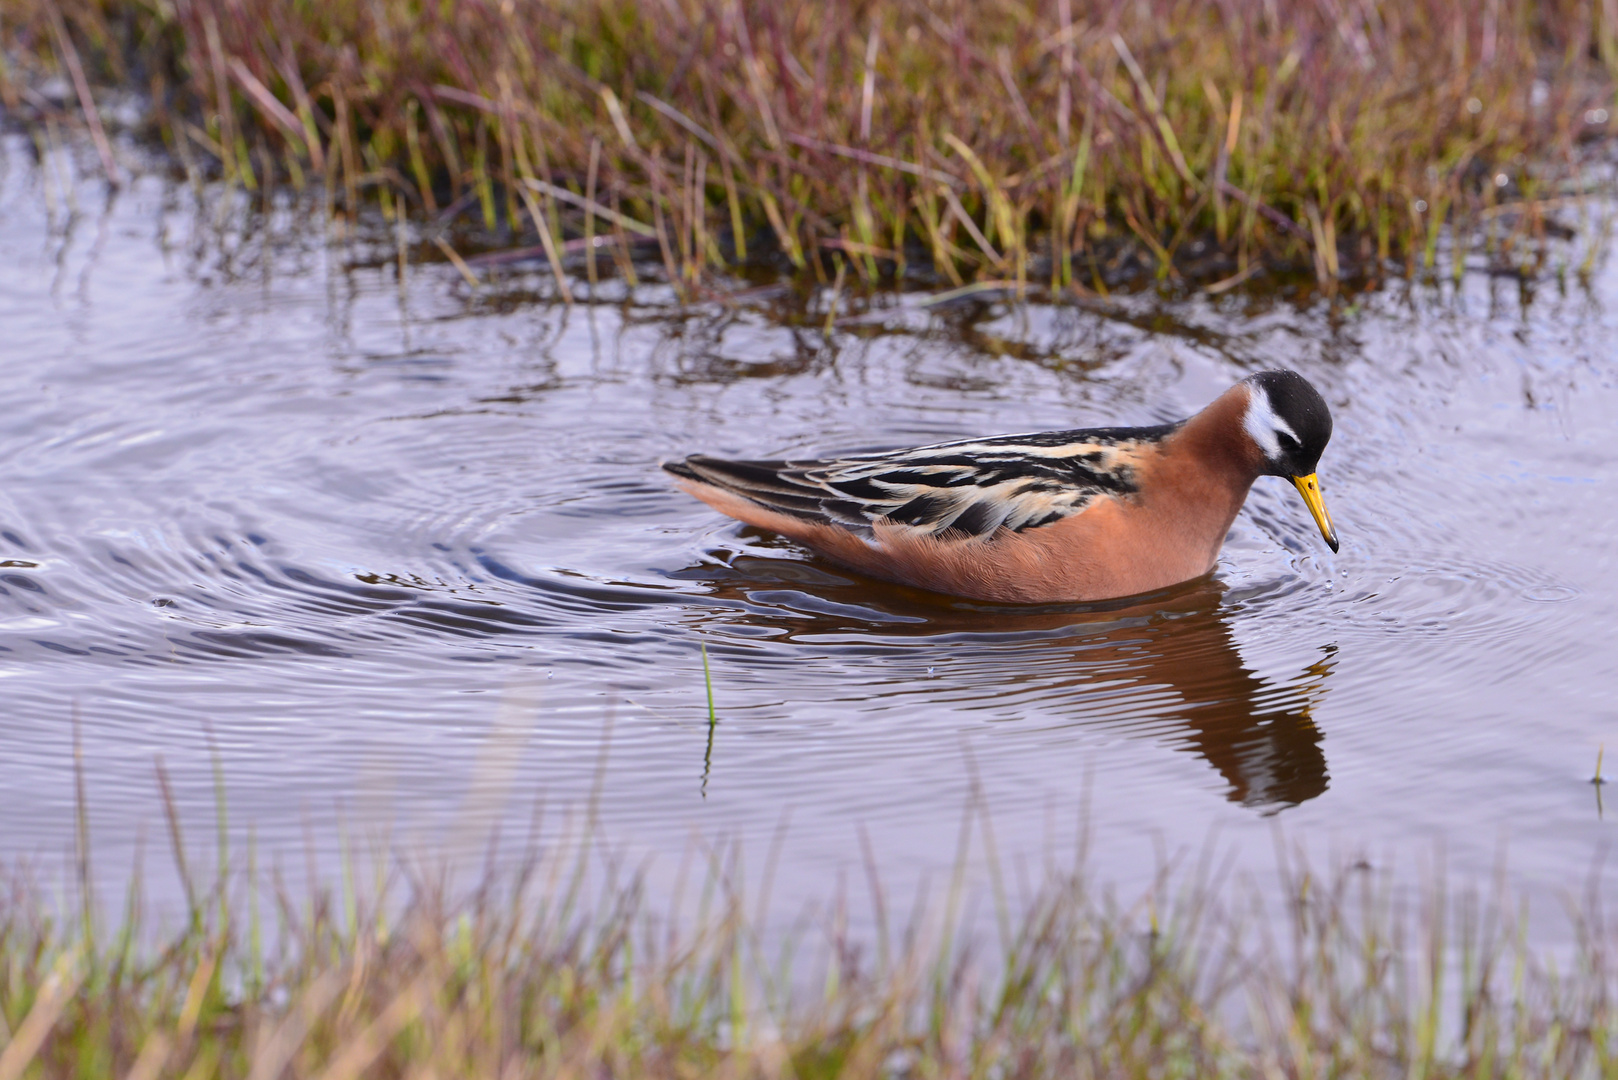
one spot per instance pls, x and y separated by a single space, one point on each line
1288 443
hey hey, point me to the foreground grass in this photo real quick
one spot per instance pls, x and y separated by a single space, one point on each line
540 973
1074 142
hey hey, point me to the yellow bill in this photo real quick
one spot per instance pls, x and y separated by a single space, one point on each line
1309 488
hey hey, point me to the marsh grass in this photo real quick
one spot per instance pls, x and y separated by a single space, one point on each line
1078 145
561 964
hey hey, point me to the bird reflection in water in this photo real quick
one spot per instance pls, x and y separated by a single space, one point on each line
1164 667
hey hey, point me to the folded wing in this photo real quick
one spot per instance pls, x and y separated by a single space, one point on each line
969 488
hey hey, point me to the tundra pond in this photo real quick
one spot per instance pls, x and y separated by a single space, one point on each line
388 559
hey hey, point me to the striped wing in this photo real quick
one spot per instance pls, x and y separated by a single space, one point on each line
968 488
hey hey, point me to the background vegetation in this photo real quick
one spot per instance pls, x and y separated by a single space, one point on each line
1074 142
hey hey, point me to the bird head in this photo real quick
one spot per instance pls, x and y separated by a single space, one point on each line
1289 422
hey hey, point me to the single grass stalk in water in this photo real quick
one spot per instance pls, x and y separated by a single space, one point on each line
713 719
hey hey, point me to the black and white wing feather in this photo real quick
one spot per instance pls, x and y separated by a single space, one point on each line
969 488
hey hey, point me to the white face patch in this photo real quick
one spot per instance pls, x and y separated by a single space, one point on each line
1263 426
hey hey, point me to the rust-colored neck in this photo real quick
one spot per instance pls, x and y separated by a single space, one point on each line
1198 484
1215 443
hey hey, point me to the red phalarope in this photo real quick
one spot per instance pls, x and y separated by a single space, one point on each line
1090 514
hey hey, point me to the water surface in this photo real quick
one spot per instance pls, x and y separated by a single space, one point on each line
402 554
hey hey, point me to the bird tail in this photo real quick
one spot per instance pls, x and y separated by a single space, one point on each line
766 483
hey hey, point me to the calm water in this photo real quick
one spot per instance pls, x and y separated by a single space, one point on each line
406 553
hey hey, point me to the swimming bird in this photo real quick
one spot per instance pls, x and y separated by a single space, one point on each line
1089 514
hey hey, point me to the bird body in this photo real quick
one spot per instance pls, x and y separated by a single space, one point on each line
1075 515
